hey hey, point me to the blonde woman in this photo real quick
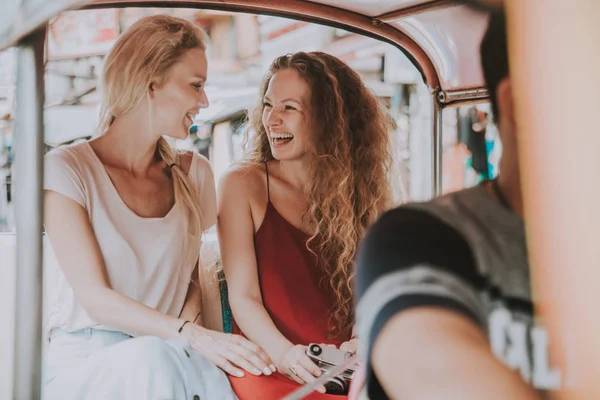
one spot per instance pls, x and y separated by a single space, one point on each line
291 217
124 214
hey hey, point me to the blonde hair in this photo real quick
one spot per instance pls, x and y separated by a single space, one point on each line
350 184
146 51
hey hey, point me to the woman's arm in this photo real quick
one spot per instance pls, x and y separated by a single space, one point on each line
236 239
80 259
235 227
192 307
76 248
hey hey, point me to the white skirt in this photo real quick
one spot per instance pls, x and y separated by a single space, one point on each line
99 364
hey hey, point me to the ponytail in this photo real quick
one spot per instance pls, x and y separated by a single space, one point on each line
184 193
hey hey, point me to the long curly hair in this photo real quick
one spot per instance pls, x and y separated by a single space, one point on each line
350 184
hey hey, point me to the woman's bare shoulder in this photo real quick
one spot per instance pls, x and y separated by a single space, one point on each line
243 179
243 173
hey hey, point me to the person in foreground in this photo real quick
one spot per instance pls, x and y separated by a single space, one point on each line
291 216
445 307
124 214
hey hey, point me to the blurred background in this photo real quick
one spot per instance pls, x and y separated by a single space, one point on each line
240 50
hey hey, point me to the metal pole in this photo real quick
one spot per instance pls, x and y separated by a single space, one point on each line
449 97
29 141
437 146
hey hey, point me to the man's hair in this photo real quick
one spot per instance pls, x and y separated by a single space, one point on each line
494 56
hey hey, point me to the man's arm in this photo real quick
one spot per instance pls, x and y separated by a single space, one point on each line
427 353
420 314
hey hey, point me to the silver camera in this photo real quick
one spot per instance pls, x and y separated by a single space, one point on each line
327 358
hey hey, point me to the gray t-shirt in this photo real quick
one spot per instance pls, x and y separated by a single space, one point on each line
464 252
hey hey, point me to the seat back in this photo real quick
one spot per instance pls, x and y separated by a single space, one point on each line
216 313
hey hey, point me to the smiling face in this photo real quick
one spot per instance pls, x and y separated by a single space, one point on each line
285 115
180 96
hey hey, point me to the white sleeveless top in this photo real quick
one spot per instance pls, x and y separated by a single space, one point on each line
145 258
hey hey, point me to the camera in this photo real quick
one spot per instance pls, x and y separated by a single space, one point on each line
327 358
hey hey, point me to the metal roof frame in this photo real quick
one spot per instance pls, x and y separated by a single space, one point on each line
27 29
380 27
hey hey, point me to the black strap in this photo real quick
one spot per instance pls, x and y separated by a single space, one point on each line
197 315
268 190
182 325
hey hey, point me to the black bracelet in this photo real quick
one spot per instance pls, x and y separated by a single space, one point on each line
197 315
182 325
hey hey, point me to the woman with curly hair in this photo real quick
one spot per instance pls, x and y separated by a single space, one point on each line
292 215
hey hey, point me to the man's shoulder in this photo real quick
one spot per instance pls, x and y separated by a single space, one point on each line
411 227
429 220
413 235
466 213
461 203
411 221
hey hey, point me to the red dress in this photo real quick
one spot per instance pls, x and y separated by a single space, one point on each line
295 293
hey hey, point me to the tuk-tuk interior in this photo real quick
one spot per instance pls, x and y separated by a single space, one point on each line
439 37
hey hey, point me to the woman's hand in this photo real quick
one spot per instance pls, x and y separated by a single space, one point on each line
350 346
297 366
229 352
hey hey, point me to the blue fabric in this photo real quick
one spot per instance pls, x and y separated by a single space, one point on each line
227 316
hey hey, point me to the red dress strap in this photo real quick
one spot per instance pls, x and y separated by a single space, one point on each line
296 293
